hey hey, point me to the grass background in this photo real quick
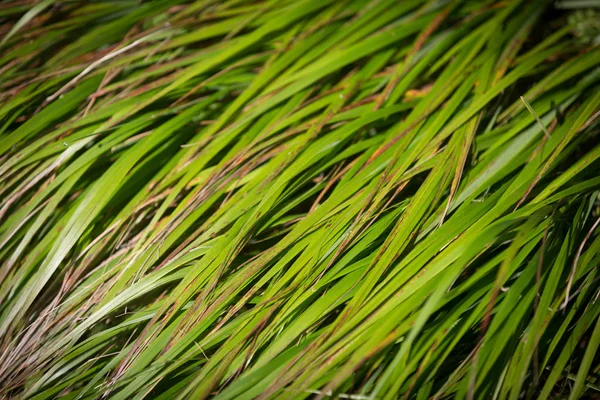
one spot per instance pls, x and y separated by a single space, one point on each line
357 199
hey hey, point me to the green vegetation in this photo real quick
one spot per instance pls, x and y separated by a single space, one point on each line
357 199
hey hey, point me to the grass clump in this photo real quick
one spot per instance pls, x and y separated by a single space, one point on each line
299 199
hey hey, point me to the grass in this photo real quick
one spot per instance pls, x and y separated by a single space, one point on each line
358 199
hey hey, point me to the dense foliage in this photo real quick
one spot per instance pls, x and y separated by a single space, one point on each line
357 199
